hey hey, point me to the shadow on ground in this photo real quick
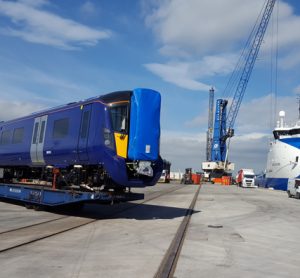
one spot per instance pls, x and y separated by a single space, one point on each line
134 211
117 211
126 211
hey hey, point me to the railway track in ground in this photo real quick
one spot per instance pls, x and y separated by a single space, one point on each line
168 264
18 237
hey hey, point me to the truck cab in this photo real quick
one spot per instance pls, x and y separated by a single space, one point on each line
246 178
293 189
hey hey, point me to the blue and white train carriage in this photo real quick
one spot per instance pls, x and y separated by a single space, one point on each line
108 142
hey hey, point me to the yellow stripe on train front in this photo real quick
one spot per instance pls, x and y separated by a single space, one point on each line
121 144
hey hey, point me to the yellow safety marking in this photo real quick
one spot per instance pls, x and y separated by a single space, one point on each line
121 144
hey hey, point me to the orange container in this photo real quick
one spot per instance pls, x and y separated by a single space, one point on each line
196 178
226 180
218 180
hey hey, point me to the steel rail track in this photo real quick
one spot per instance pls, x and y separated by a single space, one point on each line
168 264
32 225
22 236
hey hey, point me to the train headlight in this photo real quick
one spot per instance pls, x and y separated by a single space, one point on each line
108 138
145 168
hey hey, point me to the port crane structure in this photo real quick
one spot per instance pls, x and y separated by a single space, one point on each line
223 129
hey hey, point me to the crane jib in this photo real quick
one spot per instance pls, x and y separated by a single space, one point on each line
223 125
249 64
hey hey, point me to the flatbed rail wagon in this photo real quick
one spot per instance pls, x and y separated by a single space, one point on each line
42 196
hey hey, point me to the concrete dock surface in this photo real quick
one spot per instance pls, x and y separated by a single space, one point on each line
233 232
242 232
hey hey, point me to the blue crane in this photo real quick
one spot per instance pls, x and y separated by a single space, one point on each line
223 125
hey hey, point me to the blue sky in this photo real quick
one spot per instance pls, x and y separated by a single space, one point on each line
54 52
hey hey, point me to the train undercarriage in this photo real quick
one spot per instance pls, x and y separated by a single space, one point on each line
79 177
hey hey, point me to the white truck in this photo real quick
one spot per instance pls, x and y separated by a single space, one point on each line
165 176
293 189
246 178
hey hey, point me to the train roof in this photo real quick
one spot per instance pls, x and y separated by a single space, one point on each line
104 99
120 96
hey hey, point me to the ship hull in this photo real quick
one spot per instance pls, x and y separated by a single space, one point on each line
283 163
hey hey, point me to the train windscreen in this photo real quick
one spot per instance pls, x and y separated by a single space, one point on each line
119 117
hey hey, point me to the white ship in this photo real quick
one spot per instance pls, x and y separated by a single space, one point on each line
283 158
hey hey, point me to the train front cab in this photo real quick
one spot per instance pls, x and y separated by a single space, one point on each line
136 128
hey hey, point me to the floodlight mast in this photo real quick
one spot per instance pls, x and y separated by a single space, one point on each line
210 124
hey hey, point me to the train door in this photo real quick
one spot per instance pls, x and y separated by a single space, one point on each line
82 148
38 139
119 115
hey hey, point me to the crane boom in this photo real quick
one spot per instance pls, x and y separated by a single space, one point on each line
223 125
248 66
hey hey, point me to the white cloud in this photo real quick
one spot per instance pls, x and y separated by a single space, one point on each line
88 8
186 150
35 3
287 39
297 90
196 30
201 120
206 27
33 24
14 109
183 149
191 29
250 151
177 74
186 74
290 60
257 115
202 26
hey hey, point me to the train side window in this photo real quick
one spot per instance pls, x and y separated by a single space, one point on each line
85 124
42 132
297 159
61 128
36 127
5 137
18 135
